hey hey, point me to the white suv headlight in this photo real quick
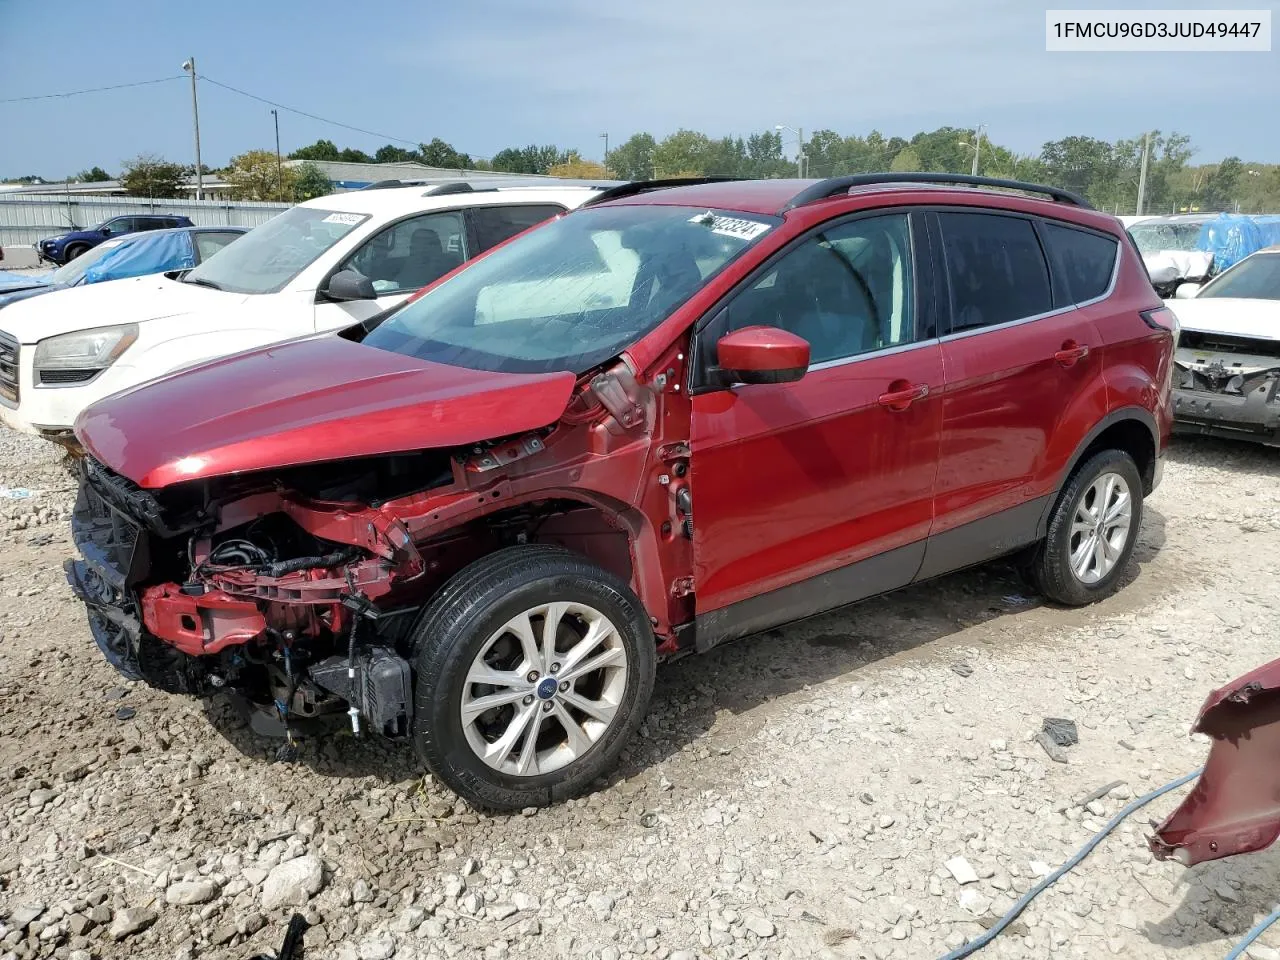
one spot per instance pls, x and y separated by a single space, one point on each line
94 349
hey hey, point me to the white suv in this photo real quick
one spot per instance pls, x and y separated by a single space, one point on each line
322 265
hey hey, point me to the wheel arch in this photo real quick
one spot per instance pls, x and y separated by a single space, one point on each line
1131 429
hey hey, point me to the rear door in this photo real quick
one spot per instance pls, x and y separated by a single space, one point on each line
1018 358
816 493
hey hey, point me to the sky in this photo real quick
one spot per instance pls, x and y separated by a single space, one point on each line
486 74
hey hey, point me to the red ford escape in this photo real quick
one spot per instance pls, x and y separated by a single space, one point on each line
686 412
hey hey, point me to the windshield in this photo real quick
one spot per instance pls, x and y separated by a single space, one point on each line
269 256
73 272
1154 237
572 293
1254 278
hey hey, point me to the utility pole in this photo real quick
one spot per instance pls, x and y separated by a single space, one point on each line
279 167
800 157
977 147
1142 173
190 67
605 136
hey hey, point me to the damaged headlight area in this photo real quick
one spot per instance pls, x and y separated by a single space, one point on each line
1228 386
281 599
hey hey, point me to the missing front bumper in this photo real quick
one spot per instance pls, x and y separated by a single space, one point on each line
1252 416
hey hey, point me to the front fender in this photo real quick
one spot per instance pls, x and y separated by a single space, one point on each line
1235 805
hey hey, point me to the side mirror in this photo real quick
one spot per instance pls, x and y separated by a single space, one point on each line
105 231
349 285
1186 291
761 355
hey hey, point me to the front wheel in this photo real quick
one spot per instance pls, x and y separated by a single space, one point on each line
534 668
73 251
1092 532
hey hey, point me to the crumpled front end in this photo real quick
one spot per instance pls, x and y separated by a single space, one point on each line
1235 805
1228 386
272 596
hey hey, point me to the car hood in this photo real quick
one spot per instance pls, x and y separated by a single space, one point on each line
103 304
304 401
1259 319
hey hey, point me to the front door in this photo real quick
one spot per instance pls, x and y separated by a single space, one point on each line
400 260
817 493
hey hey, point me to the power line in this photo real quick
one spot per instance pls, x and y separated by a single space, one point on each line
302 113
76 93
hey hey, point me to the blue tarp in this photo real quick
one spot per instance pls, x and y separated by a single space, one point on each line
11 279
155 252
1232 237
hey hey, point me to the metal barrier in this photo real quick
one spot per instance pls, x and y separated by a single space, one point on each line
26 219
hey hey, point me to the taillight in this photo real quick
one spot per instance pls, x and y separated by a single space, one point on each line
1161 318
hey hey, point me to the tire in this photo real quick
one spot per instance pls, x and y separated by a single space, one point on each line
467 628
73 251
1050 568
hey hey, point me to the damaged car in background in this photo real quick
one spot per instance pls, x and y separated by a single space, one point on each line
469 521
1185 250
1228 359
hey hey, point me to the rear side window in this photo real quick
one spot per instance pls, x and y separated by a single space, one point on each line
494 224
1084 261
996 270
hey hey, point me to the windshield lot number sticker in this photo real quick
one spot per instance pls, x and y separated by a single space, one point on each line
345 218
731 226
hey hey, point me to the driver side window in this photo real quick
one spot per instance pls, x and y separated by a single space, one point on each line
412 253
846 289
113 228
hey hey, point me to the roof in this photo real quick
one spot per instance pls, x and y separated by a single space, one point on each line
397 200
771 197
356 175
1178 218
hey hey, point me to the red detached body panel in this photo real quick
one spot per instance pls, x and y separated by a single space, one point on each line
1235 805
317 399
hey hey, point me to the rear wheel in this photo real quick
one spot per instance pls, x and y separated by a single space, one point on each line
534 668
1092 532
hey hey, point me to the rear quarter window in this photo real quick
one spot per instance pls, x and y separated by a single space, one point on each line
1085 262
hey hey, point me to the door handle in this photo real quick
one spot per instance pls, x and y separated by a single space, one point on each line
902 394
1071 353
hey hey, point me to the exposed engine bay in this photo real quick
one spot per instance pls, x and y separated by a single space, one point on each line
294 593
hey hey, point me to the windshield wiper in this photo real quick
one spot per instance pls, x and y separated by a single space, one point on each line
202 282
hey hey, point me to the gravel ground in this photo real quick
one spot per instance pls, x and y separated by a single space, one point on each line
798 794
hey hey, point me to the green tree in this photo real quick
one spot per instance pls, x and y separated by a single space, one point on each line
437 153
320 150
1220 186
683 153
907 161
149 176
254 175
352 155
633 159
93 175
575 168
393 154
309 182
530 159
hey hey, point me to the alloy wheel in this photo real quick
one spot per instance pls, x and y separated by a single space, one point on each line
544 688
1100 528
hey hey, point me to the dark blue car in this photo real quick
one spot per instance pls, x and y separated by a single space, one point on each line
65 247
136 255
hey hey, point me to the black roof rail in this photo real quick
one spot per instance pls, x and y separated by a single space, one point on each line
645 186
834 186
456 186
383 184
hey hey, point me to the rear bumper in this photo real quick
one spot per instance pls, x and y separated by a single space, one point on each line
1255 416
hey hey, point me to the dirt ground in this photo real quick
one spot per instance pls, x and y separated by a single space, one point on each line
794 795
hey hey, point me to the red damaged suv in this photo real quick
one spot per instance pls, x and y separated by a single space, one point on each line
471 520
